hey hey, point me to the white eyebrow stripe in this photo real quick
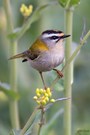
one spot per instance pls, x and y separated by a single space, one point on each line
50 35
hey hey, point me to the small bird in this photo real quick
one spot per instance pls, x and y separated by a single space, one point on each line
46 53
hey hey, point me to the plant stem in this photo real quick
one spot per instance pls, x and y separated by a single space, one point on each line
41 121
13 67
77 50
29 122
39 130
67 75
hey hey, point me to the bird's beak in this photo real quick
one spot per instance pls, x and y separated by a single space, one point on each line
64 36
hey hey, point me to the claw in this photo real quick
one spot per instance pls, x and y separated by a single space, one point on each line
59 72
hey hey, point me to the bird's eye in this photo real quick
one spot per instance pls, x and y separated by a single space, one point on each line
54 37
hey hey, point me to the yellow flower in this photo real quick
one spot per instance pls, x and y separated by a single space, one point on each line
38 94
35 97
46 95
26 11
43 102
37 90
41 91
38 102
49 92
46 99
43 96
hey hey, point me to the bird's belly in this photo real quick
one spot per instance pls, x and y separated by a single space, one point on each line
47 62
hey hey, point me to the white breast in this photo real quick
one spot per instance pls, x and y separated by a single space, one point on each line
49 60
57 55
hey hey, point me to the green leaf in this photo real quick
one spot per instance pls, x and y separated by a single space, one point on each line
83 132
63 3
4 87
19 32
69 3
74 3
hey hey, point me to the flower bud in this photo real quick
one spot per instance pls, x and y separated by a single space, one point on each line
52 100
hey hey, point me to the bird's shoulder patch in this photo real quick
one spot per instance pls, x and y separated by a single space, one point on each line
38 45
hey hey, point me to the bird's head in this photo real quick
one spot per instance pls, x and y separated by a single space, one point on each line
52 37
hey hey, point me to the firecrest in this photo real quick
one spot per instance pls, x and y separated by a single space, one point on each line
46 53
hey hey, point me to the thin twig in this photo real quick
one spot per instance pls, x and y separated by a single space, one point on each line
42 120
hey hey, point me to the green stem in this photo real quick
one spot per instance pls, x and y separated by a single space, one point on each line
13 66
67 75
29 122
41 121
39 130
77 50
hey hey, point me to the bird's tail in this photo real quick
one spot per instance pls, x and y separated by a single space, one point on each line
20 55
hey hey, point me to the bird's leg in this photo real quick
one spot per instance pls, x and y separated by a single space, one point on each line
58 72
43 80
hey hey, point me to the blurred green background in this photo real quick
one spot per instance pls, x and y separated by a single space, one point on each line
29 79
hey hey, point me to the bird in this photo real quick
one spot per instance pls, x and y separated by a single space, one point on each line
46 53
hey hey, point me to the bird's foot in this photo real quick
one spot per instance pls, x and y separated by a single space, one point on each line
60 74
45 87
43 80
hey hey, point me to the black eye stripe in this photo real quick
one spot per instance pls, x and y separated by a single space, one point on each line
54 37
